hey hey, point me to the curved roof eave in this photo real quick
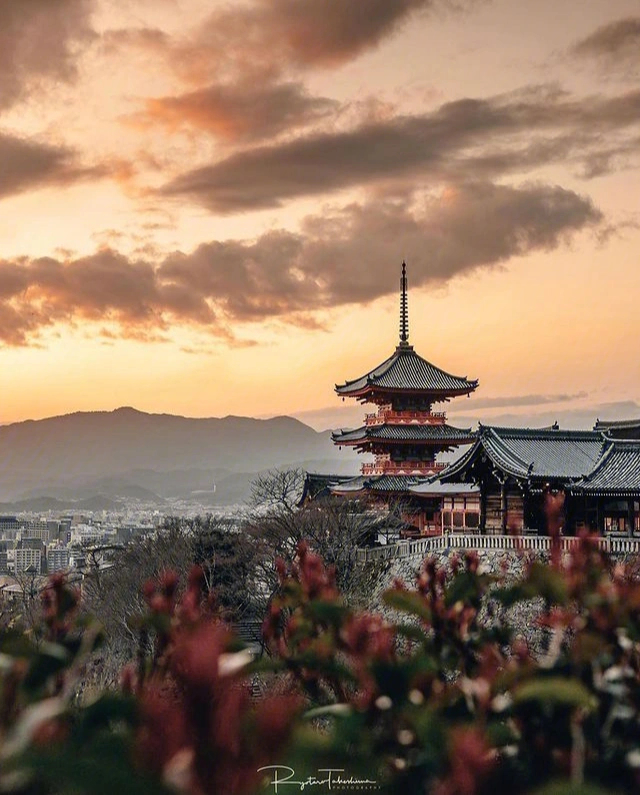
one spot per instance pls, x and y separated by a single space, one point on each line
407 371
403 434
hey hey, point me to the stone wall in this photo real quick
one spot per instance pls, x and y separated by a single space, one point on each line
522 617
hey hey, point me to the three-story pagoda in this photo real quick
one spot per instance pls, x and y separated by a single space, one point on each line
405 434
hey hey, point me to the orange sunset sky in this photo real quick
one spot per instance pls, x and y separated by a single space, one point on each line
204 205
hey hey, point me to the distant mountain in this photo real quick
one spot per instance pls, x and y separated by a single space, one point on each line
127 455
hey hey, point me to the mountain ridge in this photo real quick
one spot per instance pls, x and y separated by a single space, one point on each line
71 452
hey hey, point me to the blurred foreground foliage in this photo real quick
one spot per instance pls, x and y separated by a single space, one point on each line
438 695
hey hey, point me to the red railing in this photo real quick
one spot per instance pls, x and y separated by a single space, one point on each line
401 468
406 417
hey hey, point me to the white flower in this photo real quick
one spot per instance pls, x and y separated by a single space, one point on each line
228 664
384 702
501 702
633 758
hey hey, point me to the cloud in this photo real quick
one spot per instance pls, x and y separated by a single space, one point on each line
243 111
256 53
518 400
272 36
338 258
461 140
617 43
266 39
28 164
107 286
39 39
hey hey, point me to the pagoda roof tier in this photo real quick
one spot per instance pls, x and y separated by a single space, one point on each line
404 434
406 371
533 454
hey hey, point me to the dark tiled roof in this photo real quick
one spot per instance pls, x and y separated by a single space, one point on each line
619 429
406 370
379 483
437 487
316 485
351 485
393 483
403 433
542 454
603 425
617 472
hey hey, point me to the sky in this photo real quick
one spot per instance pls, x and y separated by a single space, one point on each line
204 205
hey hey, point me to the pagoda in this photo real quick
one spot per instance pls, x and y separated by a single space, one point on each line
405 435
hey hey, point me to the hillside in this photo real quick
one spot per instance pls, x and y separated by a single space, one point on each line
126 452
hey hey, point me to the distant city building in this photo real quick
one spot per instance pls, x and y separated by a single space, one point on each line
34 530
57 559
28 560
9 527
30 543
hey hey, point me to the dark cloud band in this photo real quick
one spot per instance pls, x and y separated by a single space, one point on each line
347 256
468 139
39 40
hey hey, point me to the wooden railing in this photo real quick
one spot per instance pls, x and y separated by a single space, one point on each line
406 417
453 541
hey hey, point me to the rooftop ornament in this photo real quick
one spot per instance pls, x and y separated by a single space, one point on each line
404 309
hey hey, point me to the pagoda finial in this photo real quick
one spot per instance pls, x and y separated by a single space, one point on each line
404 307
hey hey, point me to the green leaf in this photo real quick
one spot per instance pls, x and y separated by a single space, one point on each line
548 583
108 709
557 691
15 643
160 622
407 602
51 658
542 581
327 612
500 734
510 596
265 665
411 632
102 769
330 710
463 588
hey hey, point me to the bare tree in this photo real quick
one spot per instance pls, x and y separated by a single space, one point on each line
333 526
279 489
22 600
114 596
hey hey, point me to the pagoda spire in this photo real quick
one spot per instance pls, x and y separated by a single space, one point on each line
404 308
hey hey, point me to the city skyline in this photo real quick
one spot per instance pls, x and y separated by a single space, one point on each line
204 207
